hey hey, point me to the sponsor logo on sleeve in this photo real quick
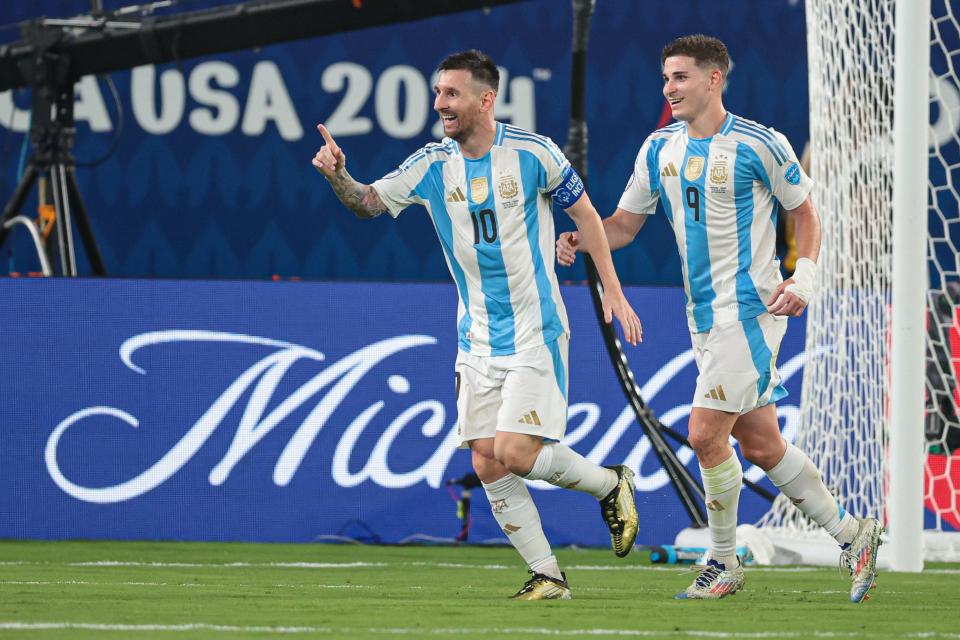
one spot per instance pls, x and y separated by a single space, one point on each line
792 174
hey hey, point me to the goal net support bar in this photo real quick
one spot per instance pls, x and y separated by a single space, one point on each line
879 411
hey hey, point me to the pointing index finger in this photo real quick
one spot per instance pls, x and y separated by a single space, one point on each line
327 137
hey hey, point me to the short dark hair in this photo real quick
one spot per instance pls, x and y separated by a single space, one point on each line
479 64
705 50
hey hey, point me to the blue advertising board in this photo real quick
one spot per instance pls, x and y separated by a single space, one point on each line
211 175
262 411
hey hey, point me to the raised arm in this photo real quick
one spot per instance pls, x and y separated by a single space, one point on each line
331 162
593 240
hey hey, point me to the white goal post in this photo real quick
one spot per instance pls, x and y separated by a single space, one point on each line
909 301
879 406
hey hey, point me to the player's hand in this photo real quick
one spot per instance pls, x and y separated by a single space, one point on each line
785 303
615 304
330 159
567 249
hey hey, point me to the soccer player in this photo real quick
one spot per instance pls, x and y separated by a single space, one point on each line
721 179
489 190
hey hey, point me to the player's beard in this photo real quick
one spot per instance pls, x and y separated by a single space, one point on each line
462 135
464 129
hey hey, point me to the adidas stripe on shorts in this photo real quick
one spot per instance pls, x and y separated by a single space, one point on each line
524 392
738 364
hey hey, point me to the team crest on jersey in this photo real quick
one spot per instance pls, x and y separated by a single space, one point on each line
694 167
479 190
718 170
507 186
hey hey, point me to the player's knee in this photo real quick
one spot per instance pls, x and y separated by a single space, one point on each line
765 455
487 469
753 455
701 440
485 464
518 460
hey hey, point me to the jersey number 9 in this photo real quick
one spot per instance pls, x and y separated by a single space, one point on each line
693 201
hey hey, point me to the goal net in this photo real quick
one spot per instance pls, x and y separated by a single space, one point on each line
845 401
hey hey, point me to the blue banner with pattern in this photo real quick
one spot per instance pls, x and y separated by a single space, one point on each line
211 175
193 410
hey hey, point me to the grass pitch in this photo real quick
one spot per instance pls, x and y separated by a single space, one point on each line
228 590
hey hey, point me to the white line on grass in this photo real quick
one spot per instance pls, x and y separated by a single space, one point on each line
231 565
472 632
185 584
440 565
355 565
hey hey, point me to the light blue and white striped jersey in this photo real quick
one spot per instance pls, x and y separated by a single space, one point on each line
494 218
721 196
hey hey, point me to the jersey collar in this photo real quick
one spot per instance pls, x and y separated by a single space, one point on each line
725 128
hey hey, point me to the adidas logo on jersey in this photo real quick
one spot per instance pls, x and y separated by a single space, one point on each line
530 418
456 196
716 393
669 171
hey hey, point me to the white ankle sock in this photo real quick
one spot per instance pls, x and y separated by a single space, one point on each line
797 477
517 515
563 467
722 487
548 567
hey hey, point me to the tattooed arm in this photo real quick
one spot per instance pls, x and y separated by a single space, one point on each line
360 198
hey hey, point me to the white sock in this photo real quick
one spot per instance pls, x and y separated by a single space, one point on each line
722 486
563 467
548 567
797 477
517 515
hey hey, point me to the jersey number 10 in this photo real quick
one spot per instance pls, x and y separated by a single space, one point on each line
484 222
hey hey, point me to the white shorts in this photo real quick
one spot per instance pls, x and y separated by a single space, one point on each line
738 364
525 392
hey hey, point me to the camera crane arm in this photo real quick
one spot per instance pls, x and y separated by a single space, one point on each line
54 54
115 45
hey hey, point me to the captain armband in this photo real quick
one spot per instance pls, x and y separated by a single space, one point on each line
804 279
569 190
